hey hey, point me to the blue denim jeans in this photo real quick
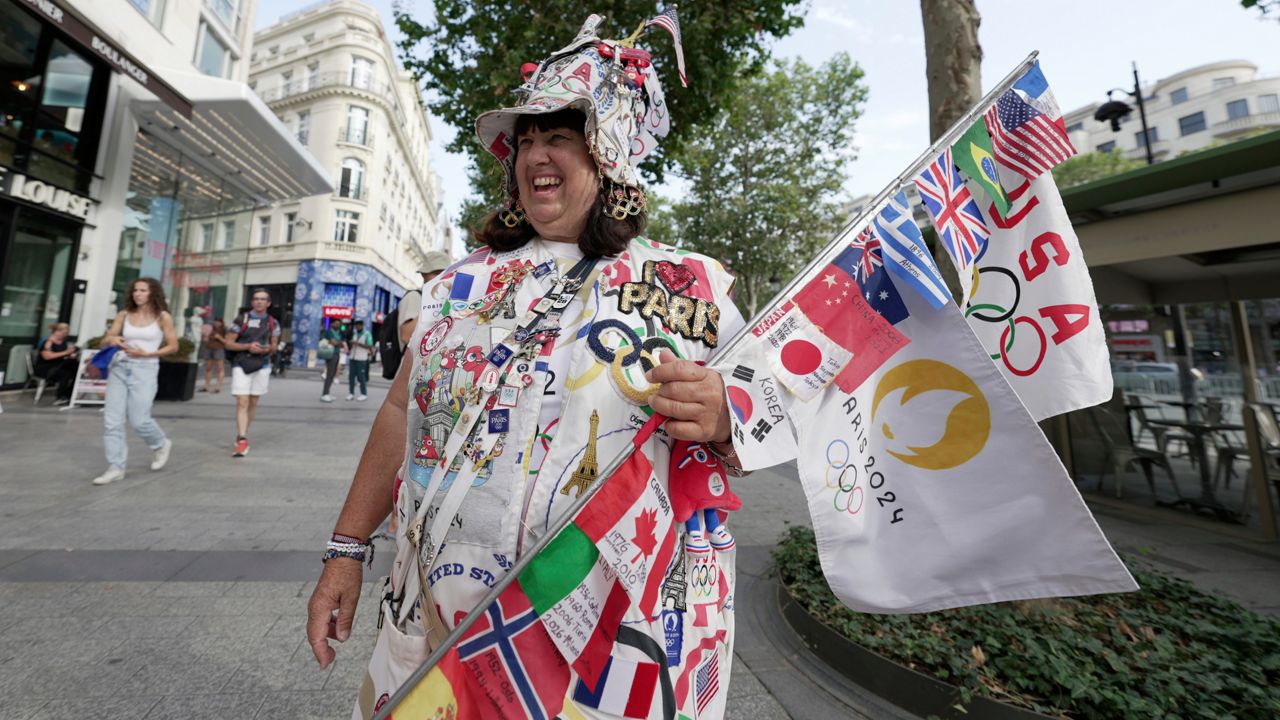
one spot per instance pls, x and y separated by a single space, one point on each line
131 388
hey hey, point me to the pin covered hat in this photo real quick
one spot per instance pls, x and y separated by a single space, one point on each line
614 85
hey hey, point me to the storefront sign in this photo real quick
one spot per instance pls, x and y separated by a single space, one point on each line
20 187
338 312
109 51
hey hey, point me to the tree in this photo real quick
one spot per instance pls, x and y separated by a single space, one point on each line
1264 6
470 54
1087 167
953 68
766 171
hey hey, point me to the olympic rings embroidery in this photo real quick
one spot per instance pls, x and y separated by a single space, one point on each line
633 394
702 579
1005 315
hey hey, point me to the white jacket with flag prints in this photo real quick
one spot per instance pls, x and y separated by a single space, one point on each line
649 294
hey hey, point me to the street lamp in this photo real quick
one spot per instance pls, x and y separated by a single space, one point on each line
1113 111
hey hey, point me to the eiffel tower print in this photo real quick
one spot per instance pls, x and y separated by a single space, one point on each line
586 472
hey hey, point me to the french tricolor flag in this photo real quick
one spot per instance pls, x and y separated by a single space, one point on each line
626 688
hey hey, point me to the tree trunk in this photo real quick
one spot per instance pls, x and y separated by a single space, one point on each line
953 60
953 68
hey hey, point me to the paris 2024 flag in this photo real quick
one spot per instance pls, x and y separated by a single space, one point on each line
929 484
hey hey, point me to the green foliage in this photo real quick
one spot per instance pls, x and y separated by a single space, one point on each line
1090 166
470 54
183 353
1168 650
1264 6
766 171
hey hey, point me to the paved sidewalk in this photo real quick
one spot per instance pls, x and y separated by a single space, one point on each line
183 593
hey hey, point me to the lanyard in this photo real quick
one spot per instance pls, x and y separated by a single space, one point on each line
539 324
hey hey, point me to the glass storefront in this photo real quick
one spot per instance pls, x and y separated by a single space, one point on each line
34 296
1175 432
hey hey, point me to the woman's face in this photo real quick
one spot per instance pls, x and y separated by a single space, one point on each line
557 180
141 294
58 334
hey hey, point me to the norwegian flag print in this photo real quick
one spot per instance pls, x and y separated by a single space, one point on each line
954 212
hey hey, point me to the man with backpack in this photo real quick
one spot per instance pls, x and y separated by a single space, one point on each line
400 322
251 337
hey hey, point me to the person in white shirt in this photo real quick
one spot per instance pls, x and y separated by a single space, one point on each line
410 306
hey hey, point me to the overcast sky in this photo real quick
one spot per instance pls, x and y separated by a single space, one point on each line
1086 48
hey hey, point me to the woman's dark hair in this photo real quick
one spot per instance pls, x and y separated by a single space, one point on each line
155 300
602 235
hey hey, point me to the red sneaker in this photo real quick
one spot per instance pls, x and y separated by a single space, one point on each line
242 448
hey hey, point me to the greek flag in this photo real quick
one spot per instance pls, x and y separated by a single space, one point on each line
909 260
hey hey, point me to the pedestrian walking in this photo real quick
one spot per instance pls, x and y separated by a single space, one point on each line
213 351
251 337
143 331
330 351
361 347
56 362
500 401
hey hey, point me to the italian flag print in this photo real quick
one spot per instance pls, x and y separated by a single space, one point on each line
631 523
578 598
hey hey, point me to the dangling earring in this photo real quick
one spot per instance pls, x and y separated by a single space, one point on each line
621 202
512 216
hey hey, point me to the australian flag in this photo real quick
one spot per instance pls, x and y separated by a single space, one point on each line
864 261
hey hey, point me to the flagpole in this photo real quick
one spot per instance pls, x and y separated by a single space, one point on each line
955 131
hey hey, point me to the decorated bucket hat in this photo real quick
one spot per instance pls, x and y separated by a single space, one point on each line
615 86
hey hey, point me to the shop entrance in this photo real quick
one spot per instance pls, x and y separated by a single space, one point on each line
38 252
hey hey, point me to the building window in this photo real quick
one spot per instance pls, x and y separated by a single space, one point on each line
264 230
286 81
304 126
352 183
1179 96
1191 123
1074 127
206 237
313 75
1237 109
309 37
361 73
228 234
211 54
290 220
1153 134
348 223
152 10
1219 83
1268 103
357 130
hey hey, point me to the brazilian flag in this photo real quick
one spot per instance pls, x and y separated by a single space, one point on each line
972 154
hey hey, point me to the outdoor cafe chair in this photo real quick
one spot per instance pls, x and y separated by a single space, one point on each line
1121 453
39 382
1269 434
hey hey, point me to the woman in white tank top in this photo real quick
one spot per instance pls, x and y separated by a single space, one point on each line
143 331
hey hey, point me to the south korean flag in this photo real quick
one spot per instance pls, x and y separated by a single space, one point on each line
762 432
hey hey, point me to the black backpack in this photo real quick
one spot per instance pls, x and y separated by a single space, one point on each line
389 348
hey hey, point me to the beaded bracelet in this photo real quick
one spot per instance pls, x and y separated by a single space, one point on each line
345 546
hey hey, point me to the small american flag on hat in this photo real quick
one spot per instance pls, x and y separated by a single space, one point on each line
668 21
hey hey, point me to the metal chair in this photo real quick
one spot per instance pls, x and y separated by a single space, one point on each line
1269 434
31 376
1121 453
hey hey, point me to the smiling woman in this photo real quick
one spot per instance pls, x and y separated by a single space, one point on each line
558 188
545 356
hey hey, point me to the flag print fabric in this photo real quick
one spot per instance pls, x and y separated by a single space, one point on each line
974 156
1034 307
931 487
756 410
957 218
1027 131
668 21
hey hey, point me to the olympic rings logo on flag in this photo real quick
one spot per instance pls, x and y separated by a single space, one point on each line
849 495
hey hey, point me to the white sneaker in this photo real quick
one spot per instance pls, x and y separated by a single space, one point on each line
351 397
362 398
326 398
110 475
161 455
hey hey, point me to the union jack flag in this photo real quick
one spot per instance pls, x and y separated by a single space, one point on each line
953 210
707 683
869 245
668 21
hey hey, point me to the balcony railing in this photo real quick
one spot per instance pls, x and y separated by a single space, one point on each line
355 135
1246 123
353 193
339 79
